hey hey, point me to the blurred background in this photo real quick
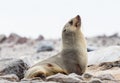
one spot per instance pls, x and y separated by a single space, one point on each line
31 18
30 31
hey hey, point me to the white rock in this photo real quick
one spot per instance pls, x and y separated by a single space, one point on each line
10 77
63 78
108 54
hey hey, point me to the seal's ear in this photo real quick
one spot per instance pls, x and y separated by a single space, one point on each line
77 21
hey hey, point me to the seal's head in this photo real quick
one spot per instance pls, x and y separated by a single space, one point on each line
71 32
73 25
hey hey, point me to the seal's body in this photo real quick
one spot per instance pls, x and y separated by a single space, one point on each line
72 58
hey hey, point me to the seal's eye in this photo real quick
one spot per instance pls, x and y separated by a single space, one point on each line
71 22
64 30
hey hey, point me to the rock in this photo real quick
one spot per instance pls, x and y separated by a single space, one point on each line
26 81
73 75
95 81
10 77
5 81
21 40
63 78
107 54
12 38
104 41
109 65
106 65
87 76
89 50
114 35
45 46
106 77
35 80
40 37
16 39
2 38
13 66
116 63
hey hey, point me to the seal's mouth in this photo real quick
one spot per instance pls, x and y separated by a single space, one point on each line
78 21
78 17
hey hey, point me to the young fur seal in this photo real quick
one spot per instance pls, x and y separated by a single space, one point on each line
72 58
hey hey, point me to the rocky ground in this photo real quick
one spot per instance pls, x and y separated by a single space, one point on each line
18 53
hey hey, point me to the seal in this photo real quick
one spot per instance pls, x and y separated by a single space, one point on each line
71 59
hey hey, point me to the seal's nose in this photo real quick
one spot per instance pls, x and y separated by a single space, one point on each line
77 21
78 17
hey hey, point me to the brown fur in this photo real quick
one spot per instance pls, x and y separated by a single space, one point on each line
72 58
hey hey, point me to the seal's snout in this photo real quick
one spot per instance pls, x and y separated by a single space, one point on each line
78 17
77 21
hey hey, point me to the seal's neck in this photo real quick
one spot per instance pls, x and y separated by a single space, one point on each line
73 40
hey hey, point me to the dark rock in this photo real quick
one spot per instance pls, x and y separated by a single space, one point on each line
117 63
63 78
106 65
21 40
12 38
40 37
109 65
13 66
114 35
2 38
45 46
89 50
